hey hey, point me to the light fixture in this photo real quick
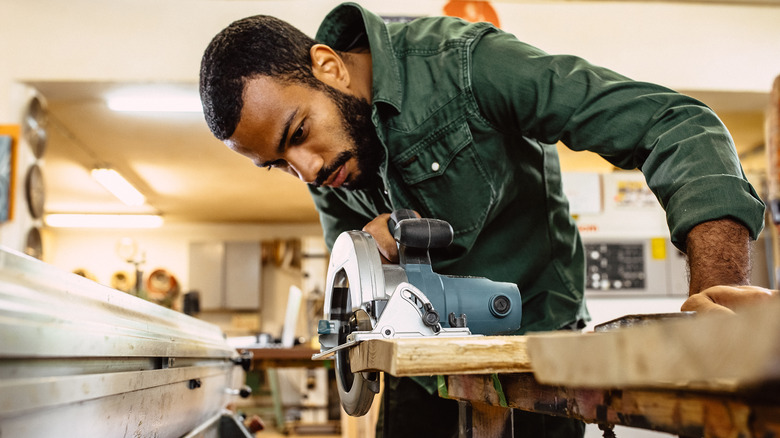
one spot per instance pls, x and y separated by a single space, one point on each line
118 186
103 220
154 99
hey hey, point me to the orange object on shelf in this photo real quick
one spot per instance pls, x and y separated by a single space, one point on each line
473 11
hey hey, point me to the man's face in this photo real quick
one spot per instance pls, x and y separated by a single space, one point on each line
323 137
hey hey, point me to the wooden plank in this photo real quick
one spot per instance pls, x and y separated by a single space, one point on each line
716 352
710 375
772 142
428 356
704 352
685 413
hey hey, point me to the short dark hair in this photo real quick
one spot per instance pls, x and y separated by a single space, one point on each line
248 48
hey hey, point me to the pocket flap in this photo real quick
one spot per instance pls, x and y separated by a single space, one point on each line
432 155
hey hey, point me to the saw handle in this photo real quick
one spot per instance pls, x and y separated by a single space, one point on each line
415 236
420 233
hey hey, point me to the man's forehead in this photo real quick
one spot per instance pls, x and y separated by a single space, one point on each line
247 140
262 116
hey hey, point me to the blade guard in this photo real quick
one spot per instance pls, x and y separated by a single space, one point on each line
355 264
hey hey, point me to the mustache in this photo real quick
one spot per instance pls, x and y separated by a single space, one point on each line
327 171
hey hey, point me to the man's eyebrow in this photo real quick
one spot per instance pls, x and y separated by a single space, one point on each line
286 129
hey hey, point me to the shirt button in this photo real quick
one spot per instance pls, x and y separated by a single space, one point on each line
435 166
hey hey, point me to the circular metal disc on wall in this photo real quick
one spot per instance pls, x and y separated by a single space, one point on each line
34 246
121 280
35 191
34 126
162 282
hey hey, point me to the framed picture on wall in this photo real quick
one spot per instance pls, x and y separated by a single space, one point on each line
6 177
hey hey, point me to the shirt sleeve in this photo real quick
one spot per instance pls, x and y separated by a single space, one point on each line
684 150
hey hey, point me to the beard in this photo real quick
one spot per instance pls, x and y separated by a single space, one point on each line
366 147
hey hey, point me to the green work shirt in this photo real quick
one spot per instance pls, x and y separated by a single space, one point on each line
469 117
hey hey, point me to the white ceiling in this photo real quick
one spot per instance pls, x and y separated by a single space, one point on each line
188 176
184 172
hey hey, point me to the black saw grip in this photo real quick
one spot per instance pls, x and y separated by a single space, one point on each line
421 233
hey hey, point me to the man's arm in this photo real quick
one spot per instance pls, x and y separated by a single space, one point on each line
719 263
718 254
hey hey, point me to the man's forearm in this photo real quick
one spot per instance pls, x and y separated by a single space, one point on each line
718 254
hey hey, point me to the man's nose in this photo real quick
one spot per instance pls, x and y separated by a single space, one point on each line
304 164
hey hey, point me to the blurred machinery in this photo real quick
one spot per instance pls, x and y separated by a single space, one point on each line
81 359
628 251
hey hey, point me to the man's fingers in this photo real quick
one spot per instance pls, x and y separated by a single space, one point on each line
379 230
726 299
703 304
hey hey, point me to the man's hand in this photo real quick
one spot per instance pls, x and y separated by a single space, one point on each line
719 262
380 231
727 299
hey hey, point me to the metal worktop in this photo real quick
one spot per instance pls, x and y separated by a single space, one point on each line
81 359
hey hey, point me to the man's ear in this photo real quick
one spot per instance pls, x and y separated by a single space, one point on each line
328 66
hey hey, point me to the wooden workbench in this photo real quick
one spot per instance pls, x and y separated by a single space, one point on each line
270 359
277 357
712 376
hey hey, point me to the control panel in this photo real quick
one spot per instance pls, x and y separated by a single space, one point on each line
633 267
613 266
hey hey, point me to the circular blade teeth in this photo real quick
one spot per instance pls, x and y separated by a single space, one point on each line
356 390
355 278
360 321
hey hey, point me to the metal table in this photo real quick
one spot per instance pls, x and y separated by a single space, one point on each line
81 359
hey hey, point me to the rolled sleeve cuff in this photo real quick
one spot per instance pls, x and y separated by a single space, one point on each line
710 198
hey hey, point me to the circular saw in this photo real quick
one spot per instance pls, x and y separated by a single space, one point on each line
366 299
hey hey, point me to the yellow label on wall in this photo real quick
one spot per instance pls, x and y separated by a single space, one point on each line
658 248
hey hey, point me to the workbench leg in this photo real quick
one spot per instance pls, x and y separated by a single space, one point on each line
478 420
276 396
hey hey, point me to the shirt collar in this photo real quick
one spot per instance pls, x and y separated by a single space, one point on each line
343 25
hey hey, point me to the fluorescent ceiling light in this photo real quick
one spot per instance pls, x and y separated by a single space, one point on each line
155 100
104 220
118 186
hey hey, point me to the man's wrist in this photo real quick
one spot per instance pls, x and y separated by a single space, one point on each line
718 254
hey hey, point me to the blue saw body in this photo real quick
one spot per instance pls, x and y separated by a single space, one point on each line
367 299
491 308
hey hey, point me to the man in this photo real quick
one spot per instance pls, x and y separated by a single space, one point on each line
458 121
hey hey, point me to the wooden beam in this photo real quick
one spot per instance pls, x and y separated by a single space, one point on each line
685 413
711 376
428 356
714 352
479 420
772 142
299 356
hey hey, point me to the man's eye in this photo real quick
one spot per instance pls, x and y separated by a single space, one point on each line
298 135
275 163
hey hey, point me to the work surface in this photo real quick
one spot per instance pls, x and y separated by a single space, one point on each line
716 376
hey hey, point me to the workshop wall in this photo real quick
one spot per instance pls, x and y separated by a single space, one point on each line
684 46
96 253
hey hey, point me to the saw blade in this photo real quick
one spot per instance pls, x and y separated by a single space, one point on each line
355 280
356 390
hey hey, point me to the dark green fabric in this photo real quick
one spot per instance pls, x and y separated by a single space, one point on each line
469 117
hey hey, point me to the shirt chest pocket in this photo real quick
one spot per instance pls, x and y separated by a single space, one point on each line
445 179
